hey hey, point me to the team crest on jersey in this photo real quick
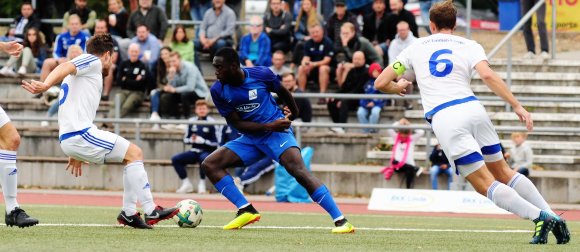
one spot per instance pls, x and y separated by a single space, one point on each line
253 94
247 108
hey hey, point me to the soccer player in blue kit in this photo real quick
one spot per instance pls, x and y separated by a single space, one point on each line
242 96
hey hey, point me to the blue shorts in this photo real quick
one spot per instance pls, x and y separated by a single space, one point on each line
250 149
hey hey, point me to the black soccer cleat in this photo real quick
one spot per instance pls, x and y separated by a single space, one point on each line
159 214
19 218
561 232
542 230
134 221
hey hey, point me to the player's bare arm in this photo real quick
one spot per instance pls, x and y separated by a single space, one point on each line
498 86
13 48
55 77
287 98
386 80
236 121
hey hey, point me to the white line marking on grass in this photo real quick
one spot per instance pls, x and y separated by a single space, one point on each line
302 228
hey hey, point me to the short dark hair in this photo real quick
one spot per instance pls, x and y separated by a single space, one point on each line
444 15
174 54
286 74
229 54
26 3
142 24
100 44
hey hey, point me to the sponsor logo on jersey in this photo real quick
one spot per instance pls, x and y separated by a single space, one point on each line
253 94
247 108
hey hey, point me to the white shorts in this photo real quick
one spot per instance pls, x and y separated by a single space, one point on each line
467 136
4 119
96 146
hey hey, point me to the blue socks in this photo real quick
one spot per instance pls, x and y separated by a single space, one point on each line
228 189
323 197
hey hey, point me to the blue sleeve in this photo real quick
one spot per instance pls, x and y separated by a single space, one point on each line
244 48
222 105
187 136
58 48
266 75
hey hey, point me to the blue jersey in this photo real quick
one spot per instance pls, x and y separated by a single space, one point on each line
252 100
65 40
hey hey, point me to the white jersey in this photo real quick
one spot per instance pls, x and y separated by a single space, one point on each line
443 65
80 95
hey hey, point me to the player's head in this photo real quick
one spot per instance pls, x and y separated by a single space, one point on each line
227 65
73 52
102 46
201 108
443 16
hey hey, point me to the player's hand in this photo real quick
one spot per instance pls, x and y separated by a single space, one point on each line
75 167
35 87
280 125
13 48
287 112
401 86
525 117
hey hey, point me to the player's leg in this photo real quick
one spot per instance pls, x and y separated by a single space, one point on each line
201 187
179 162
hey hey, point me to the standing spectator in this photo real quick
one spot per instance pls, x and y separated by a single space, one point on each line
88 16
132 78
150 15
439 165
203 140
197 9
278 25
350 42
74 36
117 19
255 46
278 66
425 6
307 17
521 156
369 110
398 14
402 156
403 39
318 53
216 30
26 20
340 16
529 35
181 44
149 46
32 56
352 82
304 106
374 28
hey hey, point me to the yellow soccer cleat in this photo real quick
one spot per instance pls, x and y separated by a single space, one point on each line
242 220
344 229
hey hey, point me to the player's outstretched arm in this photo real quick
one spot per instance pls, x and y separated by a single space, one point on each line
287 98
55 77
498 86
385 82
13 48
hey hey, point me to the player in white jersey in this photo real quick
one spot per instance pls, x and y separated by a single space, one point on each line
81 141
9 142
443 64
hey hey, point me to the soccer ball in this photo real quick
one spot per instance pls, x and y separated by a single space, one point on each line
189 215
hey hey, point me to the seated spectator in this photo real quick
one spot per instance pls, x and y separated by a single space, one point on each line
336 21
350 43
101 28
252 173
150 15
369 110
149 46
11 36
402 156
117 19
74 36
203 140
278 25
307 17
403 39
374 28
161 80
439 165
132 79
352 82
186 85
318 53
398 14
216 30
255 46
181 44
278 66
520 156
88 16
304 106
26 20
197 9
32 55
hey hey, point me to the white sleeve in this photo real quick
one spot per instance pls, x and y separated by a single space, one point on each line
86 63
405 58
477 54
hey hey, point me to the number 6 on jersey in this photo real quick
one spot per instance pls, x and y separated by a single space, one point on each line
433 62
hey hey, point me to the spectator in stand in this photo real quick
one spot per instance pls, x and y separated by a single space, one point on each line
197 9
304 106
255 46
132 79
403 39
117 19
374 28
186 85
74 36
352 82
101 28
278 66
181 44
204 140
350 43
88 16
542 33
161 80
150 15
216 30
340 17
425 6
26 20
318 53
149 46
398 14
307 17
278 25
521 156
403 153
11 36
32 56
369 110
439 165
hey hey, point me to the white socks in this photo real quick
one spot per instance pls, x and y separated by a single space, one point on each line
9 178
508 199
525 188
129 197
137 187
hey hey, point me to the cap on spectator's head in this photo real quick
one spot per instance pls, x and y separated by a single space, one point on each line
373 67
340 3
